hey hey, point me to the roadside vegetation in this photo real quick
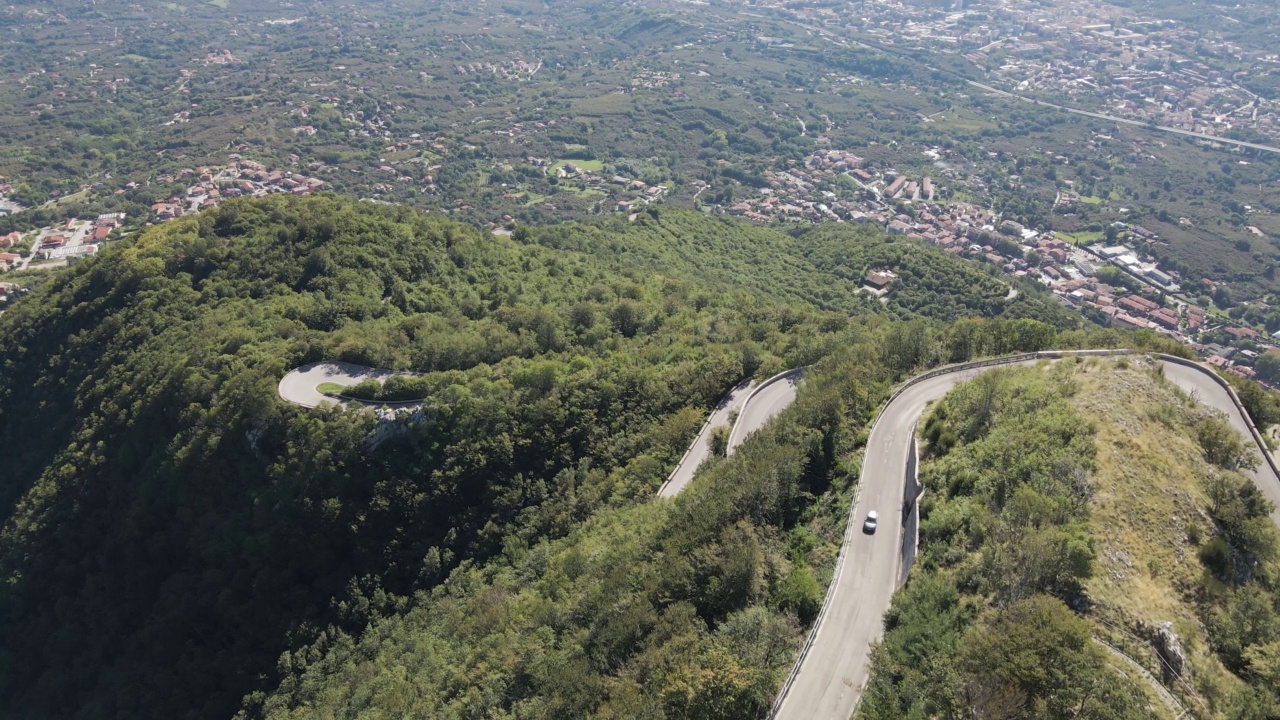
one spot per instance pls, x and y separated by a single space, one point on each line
397 388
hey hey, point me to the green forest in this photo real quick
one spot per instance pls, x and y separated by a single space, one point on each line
178 542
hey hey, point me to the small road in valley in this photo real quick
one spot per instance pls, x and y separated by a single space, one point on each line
899 53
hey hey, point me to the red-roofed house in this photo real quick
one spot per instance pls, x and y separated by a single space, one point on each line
1125 319
1241 333
1137 304
1165 318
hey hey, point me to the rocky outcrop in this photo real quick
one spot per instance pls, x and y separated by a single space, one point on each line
1169 647
1173 659
392 423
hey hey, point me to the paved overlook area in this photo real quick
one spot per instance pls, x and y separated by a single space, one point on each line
300 386
827 681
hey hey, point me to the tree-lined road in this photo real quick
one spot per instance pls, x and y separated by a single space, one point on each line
700 450
831 675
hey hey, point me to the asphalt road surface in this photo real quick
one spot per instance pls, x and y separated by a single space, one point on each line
701 447
833 672
831 676
1202 387
299 386
1126 121
769 400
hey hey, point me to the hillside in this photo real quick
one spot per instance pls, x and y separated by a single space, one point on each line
1078 514
173 530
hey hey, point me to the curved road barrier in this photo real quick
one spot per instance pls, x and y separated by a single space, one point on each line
1210 388
834 663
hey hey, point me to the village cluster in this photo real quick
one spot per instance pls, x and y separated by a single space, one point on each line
241 178
839 186
1103 57
75 237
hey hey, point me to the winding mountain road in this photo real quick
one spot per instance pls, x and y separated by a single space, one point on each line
830 675
755 404
828 679
766 402
1199 384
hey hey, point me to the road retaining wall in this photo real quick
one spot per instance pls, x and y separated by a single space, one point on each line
912 491
377 404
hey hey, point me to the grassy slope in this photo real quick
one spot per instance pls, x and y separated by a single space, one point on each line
1149 506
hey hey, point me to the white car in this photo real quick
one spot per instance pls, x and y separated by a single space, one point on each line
869 525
